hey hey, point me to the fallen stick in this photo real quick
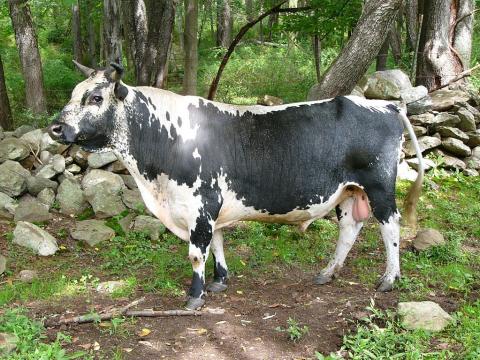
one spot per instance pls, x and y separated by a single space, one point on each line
123 311
460 76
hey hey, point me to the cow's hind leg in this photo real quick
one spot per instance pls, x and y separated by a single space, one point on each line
349 229
220 271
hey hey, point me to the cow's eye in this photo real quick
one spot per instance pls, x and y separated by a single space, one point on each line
97 99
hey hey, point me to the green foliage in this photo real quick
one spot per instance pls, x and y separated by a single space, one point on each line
31 343
294 330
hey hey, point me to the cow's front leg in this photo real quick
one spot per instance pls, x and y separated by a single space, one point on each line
220 272
198 250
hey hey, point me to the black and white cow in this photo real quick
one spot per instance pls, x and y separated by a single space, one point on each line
202 165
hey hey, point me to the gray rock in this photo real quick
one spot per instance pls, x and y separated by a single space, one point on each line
3 264
79 156
13 178
405 172
444 99
476 152
46 171
427 238
7 203
473 138
452 163
387 85
425 315
91 231
445 119
132 198
8 343
447 131
470 172
420 106
422 119
467 120
35 238
45 156
22 130
2 135
470 108
27 276
68 160
46 197
357 91
35 184
269 100
413 94
97 160
105 201
471 162
13 149
456 147
71 198
425 143
427 164
74 169
58 163
418 130
33 138
97 176
116 167
48 144
109 287
31 210
126 222
150 225
129 181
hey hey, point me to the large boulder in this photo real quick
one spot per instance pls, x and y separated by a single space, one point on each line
448 131
13 178
35 184
456 147
467 120
33 138
445 119
427 163
106 201
424 315
405 172
452 163
424 142
97 176
79 156
387 85
7 203
150 225
129 181
35 238
91 231
55 166
98 160
71 198
444 99
50 145
420 106
132 198
413 94
425 119
13 149
22 130
473 138
31 210
46 197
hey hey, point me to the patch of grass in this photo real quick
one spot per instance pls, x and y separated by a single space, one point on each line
31 336
88 213
39 289
294 330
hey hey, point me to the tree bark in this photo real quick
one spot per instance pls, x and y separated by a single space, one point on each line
224 23
77 33
317 55
463 30
26 39
92 48
360 50
249 10
6 121
381 63
438 62
411 19
112 46
190 47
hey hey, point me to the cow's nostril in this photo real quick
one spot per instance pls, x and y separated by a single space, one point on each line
56 130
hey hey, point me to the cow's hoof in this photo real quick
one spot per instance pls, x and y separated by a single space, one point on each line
194 303
385 283
216 287
322 279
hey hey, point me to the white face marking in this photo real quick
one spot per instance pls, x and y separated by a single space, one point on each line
373 105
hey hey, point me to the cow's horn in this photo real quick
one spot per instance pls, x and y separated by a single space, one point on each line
115 72
83 69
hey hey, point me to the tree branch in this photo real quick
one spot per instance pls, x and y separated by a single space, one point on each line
460 76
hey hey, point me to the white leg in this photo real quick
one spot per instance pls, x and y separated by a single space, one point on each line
349 229
391 238
220 273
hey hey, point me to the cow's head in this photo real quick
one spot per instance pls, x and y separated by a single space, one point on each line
90 119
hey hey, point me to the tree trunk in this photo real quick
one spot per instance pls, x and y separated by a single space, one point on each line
395 39
224 23
411 19
359 52
317 55
249 10
190 43
111 32
5 112
462 32
438 62
77 33
382 56
26 39
92 48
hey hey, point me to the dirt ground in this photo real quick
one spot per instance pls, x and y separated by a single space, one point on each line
253 309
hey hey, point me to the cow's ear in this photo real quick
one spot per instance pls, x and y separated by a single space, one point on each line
114 72
120 91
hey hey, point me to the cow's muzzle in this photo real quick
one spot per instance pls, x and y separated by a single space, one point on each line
62 132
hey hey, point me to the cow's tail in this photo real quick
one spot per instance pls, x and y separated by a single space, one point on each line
410 204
